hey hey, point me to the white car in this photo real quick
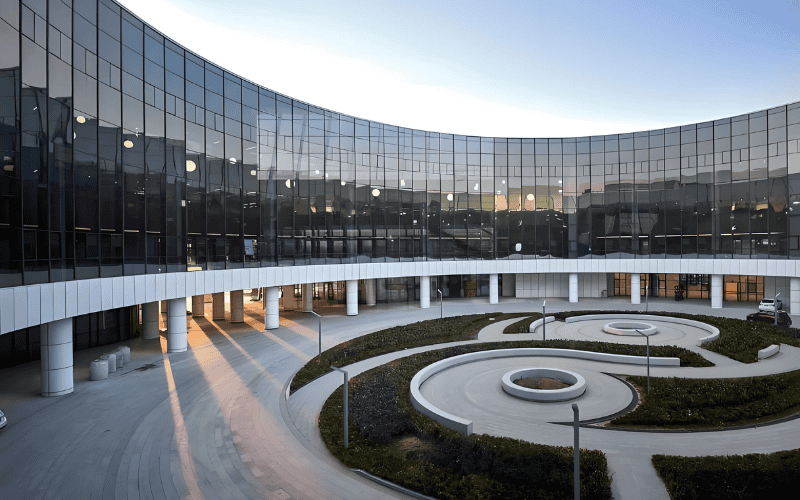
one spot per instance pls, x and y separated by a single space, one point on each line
3 420
769 305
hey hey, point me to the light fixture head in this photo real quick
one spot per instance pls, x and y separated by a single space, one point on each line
8 167
450 197
402 182
252 172
128 143
80 119
529 197
288 183
376 192
190 166
233 160
344 183
316 172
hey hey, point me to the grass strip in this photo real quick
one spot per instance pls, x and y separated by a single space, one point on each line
391 440
733 477
738 339
713 403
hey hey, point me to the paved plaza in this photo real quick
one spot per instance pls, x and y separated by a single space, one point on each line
214 422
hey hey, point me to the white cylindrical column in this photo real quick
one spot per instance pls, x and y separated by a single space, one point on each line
424 292
308 297
371 292
176 325
237 306
493 299
150 321
351 288
716 291
198 305
636 289
56 349
794 296
272 319
573 287
218 306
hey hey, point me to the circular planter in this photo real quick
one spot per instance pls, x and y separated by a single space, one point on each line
577 385
629 328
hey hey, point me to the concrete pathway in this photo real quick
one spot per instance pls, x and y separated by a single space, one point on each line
213 422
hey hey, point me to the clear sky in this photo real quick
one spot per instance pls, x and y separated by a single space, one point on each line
505 68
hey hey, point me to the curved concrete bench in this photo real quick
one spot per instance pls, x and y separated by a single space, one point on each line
111 358
769 351
464 426
713 331
98 369
536 324
576 384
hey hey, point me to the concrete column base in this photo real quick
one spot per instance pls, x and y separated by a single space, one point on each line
424 292
573 287
198 305
371 292
716 291
308 297
56 362
237 306
493 298
636 289
272 318
351 288
150 321
218 306
176 325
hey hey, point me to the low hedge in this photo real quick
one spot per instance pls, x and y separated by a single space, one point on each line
713 403
422 333
522 325
391 440
733 477
738 339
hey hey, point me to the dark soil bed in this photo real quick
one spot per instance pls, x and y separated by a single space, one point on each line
541 383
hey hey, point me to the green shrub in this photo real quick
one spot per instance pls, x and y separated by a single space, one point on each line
704 403
522 325
437 461
734 477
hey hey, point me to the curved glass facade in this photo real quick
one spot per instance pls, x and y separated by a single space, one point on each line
123 154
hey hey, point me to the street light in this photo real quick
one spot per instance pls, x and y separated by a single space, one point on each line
647 298
576 454
648 358
441 304
319 330
775 304
544 321
344 397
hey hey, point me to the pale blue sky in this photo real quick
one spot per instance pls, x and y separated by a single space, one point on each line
520 69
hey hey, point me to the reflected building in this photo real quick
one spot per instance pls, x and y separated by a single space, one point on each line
135 171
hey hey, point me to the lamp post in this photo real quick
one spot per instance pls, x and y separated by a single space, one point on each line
344 397
648 358
577 453
647 297
319 330
544 321
775 305
441 304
